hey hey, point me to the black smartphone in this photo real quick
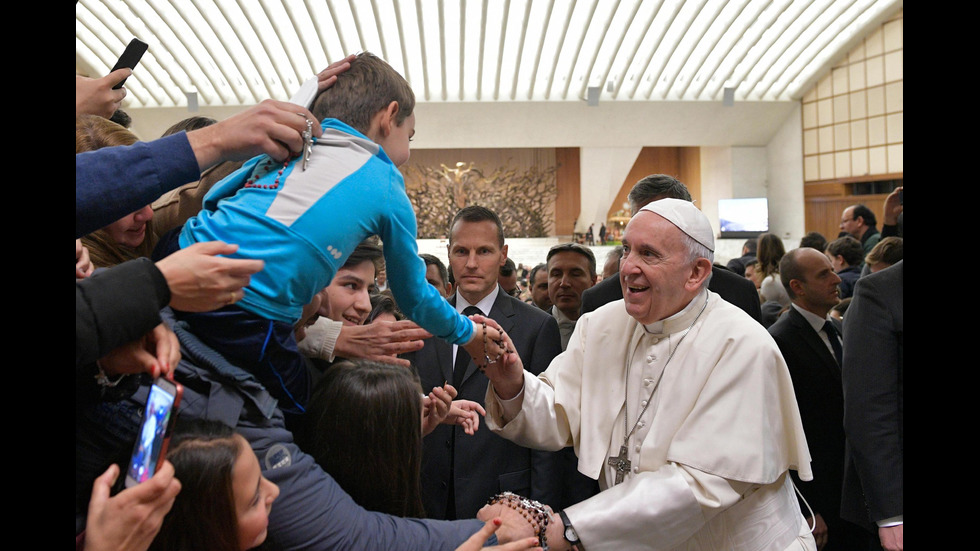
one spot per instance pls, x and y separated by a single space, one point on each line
129 58
901 196
158 421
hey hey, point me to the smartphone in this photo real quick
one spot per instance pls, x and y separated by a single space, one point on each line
129 58
158 422
901 196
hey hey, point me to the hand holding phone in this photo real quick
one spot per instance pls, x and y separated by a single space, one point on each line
157 425
130 58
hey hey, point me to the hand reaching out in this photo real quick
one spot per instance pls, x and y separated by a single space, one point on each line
272 127
156 353
436 406
381 341
201 280
893 207
507 374
476 541
327 77
439 407
486 342
465 413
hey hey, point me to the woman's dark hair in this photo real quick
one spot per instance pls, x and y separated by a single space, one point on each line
366 250
188 124
384 303
770 251
848 248
365 424
204 516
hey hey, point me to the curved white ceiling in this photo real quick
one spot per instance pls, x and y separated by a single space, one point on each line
239 52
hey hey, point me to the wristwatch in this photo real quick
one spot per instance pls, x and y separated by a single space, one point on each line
570 535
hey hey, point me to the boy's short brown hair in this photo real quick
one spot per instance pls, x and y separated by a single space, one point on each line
361 91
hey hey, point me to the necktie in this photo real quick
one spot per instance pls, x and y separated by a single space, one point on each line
832 335
462 356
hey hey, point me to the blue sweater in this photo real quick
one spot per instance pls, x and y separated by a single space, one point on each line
114 181
305 226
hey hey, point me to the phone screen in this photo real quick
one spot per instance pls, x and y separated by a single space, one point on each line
150 441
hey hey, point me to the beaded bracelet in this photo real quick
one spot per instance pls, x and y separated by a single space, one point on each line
535 512
102 378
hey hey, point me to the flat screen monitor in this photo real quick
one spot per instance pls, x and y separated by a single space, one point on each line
743 218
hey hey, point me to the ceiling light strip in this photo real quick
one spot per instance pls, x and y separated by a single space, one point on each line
198 77
482 43
425 67
587 78
313 59
676 28
791 44
268 51
232 54
839 28
577 49
462 50
375 9
665 11
518 58
220 70
684 69
874 14
291 66
402 41
240 43
442 51
537 51
613 58
774 21
558 50
736 26
626 60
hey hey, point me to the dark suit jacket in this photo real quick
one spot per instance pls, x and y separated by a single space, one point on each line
820 395
874 394
733 288
486 464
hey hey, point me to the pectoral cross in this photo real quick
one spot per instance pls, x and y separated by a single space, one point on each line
307 144
621 464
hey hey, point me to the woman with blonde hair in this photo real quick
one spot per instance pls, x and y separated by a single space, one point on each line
131 236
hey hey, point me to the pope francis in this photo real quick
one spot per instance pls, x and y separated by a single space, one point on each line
678 402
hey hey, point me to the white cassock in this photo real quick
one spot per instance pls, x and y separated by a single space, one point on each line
709 456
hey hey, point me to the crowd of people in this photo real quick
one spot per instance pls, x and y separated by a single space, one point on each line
342 391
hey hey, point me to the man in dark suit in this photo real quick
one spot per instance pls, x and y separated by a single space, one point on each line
874 412
733 288
737 265
810 343
460 472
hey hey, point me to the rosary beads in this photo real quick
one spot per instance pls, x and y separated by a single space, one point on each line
535 512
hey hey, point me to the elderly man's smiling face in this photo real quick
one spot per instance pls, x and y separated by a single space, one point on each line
657 274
